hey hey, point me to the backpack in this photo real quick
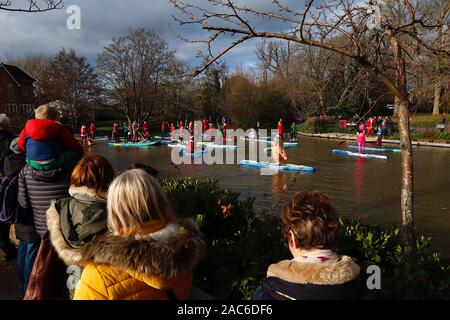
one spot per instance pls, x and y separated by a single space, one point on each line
10 210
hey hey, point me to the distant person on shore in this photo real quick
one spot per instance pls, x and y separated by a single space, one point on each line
310 226
76 220
150 254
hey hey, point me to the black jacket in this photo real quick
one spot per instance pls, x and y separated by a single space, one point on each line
5 141
25 230
292 280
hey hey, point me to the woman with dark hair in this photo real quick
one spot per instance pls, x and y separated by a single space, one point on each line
76 220
310 225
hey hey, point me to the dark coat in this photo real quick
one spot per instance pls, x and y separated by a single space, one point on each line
5 141
291 280
25 230
38 188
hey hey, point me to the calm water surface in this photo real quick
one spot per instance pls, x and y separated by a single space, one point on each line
368 189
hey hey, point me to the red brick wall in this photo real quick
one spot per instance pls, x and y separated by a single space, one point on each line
17 118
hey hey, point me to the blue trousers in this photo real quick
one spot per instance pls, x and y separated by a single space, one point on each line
25 259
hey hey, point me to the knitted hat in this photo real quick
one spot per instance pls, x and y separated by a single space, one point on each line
14 146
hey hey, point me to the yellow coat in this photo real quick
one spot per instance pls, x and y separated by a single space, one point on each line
105 282
161 258
144 268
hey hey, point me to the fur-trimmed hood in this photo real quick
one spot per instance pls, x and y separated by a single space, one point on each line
85 193
336 273
175 249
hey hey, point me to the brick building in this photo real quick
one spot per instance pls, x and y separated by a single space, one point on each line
17 98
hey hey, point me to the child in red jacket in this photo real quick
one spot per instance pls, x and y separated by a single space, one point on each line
44 138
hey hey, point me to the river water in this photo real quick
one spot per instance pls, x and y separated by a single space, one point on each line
368 189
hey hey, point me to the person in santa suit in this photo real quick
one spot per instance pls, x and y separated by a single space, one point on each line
145 130
163 128
191 144
83 134
280 129
224 131
172 131
181 131
114 132
204 125
196 133
92 131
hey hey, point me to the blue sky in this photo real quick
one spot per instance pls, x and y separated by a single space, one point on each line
101 20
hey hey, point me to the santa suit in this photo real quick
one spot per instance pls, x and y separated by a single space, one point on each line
91 131
172 131
280 129
114 132
145 130
224 129
83 134
163 128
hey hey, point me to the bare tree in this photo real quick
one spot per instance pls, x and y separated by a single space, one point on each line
31 6
318 24
134 69
70 79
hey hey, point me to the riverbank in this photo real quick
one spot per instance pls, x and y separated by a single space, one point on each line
352 137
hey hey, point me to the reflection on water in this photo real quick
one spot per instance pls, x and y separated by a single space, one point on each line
359 188
359 180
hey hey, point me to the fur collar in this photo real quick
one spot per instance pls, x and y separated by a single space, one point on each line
175 249
85 193
340 272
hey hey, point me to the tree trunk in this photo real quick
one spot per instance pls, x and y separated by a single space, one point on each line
437 97
402 110
407 198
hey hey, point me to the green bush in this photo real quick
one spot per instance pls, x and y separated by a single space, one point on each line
242 243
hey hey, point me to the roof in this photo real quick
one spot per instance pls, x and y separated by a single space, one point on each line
16 73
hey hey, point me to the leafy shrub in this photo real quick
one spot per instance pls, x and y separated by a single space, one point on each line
241 244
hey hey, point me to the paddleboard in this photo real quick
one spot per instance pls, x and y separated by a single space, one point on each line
282 167
377 149
165 138
286 146
362 155
168 142
177 145
137 144
192 154
220 146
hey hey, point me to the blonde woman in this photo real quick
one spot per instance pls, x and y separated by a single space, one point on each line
150 254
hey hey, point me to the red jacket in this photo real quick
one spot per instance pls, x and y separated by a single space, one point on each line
280 129
47 130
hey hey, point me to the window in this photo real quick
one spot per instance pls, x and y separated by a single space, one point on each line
10 92
10 108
